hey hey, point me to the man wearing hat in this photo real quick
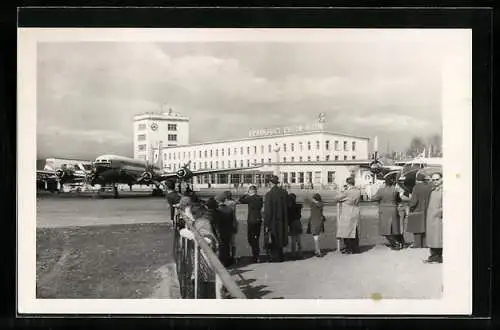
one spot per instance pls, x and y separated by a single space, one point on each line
275 219
418 206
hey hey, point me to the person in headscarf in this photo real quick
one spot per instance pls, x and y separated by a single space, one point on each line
434 220
316 219
276 218
254 219
294 224
348 226
418 205
232 205
389 222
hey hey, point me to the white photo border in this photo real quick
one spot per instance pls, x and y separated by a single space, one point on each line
457 169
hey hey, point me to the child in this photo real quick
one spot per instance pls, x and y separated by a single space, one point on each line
316 219
294 224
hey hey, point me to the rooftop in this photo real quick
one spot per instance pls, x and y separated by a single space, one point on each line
271 137
160 115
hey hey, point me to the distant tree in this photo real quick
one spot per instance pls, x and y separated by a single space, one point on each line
436 141
417 145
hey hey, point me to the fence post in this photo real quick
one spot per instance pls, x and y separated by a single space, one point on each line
218 287
339 209
196 269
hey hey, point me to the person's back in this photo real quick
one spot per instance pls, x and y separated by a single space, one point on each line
387 196
420 196
223 217
224 220
173 198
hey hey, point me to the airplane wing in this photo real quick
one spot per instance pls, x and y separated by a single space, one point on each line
178 174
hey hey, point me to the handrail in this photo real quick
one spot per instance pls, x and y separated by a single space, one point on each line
214 261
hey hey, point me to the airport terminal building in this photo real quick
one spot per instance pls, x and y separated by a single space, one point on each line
300 155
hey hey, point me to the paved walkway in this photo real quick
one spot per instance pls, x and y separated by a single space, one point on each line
376 273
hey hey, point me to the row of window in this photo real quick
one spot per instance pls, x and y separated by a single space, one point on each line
170 127
174 156
234 163
210 153
292 147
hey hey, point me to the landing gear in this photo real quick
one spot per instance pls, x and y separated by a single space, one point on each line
130 187
115 191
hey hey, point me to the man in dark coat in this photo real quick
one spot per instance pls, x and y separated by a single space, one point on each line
254 219
276 218
418 206
223 220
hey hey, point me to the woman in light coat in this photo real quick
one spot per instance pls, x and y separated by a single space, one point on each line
348 226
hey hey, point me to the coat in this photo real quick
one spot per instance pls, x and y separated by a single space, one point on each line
276 214
316 218
434 219
294 215
418 205
349 213
388 212
255 204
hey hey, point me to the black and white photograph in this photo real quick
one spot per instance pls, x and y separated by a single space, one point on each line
298 171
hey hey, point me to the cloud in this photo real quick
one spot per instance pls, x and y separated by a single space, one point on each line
392 122
88 92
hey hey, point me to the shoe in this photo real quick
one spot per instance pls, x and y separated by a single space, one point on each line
431 261
318 255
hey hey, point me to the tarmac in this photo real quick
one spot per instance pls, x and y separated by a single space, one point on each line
376 273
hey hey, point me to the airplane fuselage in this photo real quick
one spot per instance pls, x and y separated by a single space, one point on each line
112 169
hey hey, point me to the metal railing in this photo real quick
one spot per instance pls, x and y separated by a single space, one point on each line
200 273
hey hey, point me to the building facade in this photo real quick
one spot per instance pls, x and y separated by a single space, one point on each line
151 129
299 158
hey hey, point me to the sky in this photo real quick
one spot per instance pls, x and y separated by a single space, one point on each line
88 92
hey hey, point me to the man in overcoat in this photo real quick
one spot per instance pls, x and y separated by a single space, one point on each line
348 226
389 198
276 218
434 221
418 206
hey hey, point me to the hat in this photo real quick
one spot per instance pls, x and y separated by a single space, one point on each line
274 179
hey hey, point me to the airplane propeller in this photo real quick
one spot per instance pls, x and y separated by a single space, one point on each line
183 172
